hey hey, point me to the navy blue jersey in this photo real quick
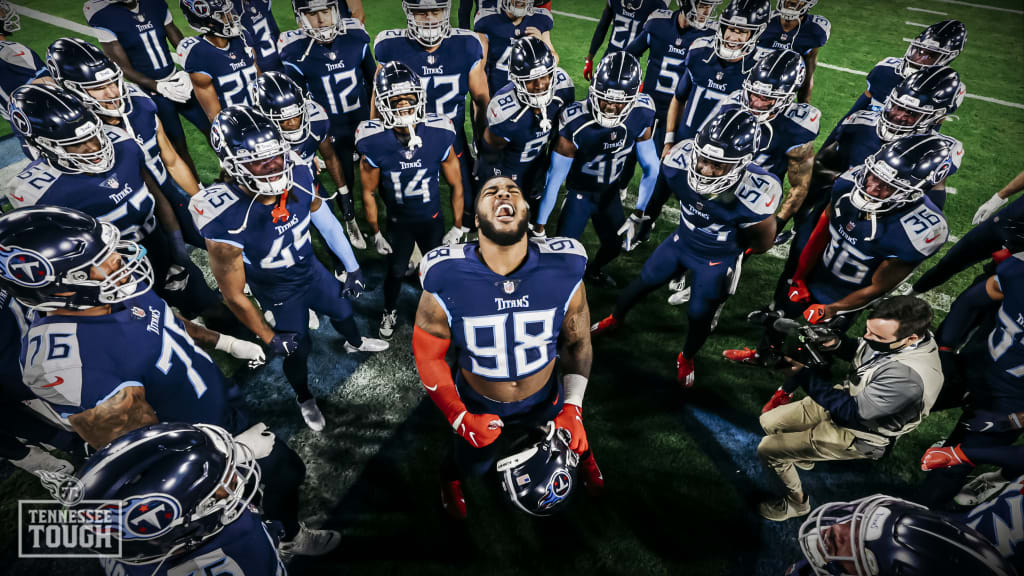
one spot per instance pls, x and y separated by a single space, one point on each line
601 153
75 363
883 79
242 548
858 245
258 20
797 126
812 32
408 178
445 71
278 257
1005 377
143 122
669 46
119 196
505 327
501 32
1001 521
14 322
710 228
232 69
707 82
19 65
627 23
331 72
319 128
520 127
140 32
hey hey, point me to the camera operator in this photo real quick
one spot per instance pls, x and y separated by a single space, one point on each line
895 376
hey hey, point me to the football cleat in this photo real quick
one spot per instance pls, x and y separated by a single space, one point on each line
452 500
779 398
314 320
744 356
981 488
591 475
309 542
608 324
368 345
684 367
387 324
784 508
312 415
680 292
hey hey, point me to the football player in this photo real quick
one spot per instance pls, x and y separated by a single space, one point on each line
220 61
450 62
466 9
403 154
305 125
257 232
19 64
879 226
626 17
521 119
727 205
792 28
715 68
258 20
329 56
595 137
134 34
109 356
500 27
537 289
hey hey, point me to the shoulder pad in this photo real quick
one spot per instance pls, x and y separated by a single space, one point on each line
484 13
702 42
926 229
40 374
679 156
760 191
32 182
440 122
862 118
290 37
116 134
561 245
211 202
437 256
316 111
462 33
659 15
574 111
504 105
388 35
368 128
644 100
956 155
823 23
806 116
93 6
187 45
353 23
563 80
17 54
890 62
137 93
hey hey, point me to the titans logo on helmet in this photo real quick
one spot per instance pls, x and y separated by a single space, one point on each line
149 516
25 267
559 487
199 7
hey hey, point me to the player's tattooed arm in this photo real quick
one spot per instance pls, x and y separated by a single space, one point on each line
430 317
480 94
801 166
229 270
370 177
121 413
760 237
206 94
179 170
811 61
201 335
494 141
575 353
887 277
453 174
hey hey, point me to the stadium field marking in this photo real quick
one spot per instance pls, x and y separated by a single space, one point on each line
983 6
54 20
936 12
577 16
909 23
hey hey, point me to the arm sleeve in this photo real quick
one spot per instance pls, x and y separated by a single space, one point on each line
601 31
557 173
640 44
892 389
368 66
333 234
647 154
1005 456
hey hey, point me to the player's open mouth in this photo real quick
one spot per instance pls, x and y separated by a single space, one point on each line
505 212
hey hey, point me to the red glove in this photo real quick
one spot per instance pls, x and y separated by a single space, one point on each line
479 429
588 69
1001 255
945 457
798 291
571 418
815 313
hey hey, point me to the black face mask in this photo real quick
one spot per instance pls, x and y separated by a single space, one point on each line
883 347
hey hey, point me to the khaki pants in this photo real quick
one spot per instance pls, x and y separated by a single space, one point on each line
802 432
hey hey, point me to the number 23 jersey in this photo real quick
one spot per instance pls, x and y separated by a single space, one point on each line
505 327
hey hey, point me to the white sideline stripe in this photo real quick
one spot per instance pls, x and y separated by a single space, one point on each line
936 12
908 40
577 16
55 20
983 6
909 23
841 69
950 190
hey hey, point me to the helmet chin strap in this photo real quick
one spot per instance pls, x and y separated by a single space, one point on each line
545 122
280 212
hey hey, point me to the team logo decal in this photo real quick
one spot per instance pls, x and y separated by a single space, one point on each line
25 267
509 286
719 76
112 183
431 59
942 171
149 516
784 37
679 41
138 312
20 122
558 489
332 55
198 7
216 138
65 488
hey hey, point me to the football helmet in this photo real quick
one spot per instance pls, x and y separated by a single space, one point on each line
794 9
48 252
304 8
279 98
516 8
393 81
901 172
633 5
79 67
938 45
529 60
776 77
746 15
725 144
695 16
616 82
428 20
884 535
51 119
920 102
9 20
248 144
196 476
215 17
539 474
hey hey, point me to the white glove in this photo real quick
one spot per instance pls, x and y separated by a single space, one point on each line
39 459
177 87
381 243
355 236
537 231
455 235
259 439
630 230
242 349
990 207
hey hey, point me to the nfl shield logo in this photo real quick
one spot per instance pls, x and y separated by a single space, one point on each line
719 76
332 56
409 154
138 312
431 59
784 37
614 136
700 205
234 56
679 41
112 183
509 286
850 226
140 17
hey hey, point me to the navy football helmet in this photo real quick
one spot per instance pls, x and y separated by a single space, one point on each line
530 60
178 486
324 33
47 254
881 535
938 45
699 12
9 20
616 83
516 8
794 9
428 20
50 120
920 102
279 98
539 475
724 146
212 17
85 71
902 171
747 16
394 85
777 77
252 150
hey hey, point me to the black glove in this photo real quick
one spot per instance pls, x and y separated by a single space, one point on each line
354 284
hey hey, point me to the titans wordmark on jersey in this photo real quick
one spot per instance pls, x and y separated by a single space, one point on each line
666 63
812 32
232 69
500 32
708 80
139 30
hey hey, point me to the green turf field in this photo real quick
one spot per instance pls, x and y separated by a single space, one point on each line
682 476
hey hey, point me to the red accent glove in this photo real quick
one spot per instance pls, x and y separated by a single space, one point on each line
945 457
480 429
815 247
815 313
798 291
588 69
1001 255
571 418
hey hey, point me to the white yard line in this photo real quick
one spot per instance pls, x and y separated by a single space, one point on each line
55 20
577 16
982 6
936 12
918 24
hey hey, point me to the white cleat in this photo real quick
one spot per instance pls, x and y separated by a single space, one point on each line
314 321
387 324
368 345
312 415
680 292
309 542
269 317
983 487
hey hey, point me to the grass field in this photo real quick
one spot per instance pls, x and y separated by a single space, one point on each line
682 475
